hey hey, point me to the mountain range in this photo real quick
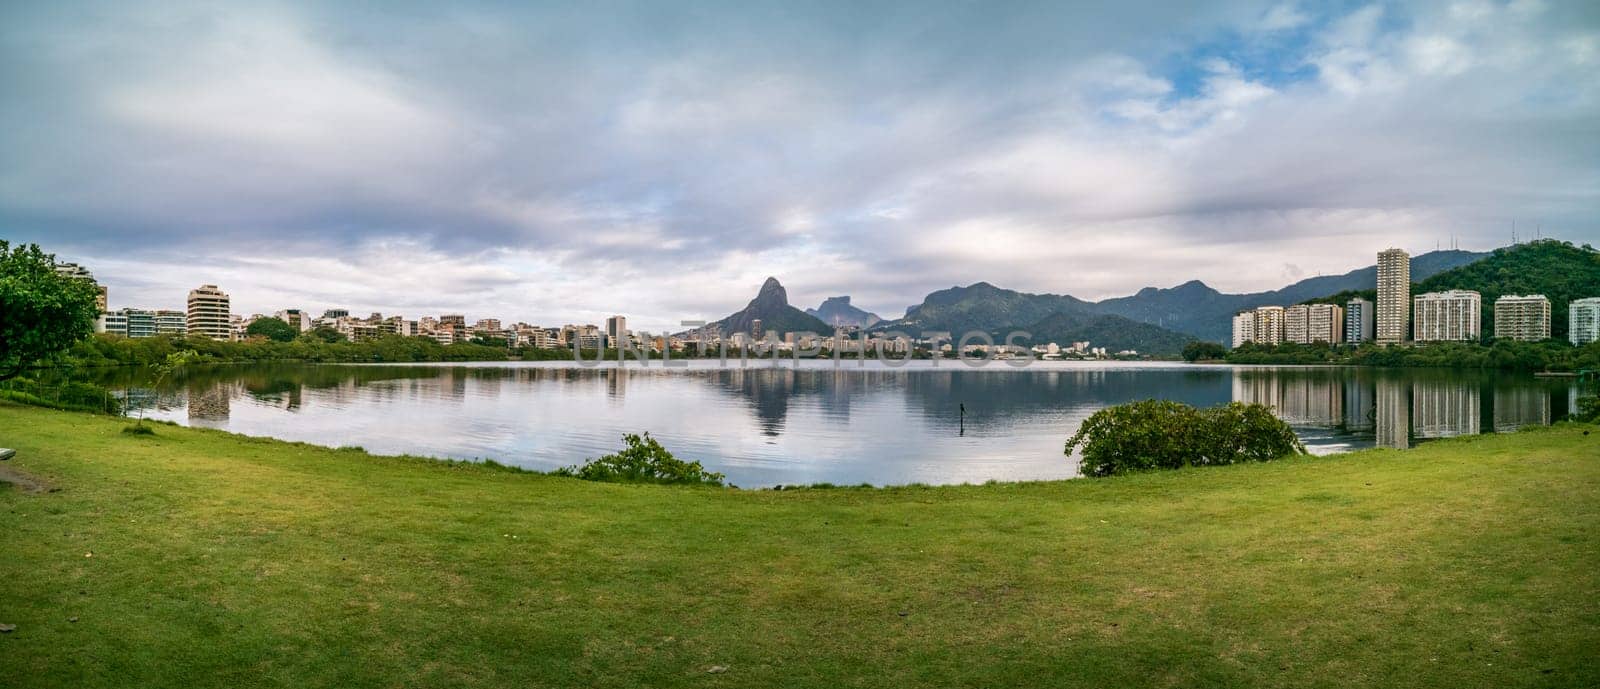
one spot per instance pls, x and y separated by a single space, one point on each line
838 311
1153 320
1192 310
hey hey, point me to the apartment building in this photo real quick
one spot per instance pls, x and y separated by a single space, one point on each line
209 313
1394 296
1359 319
1525 318
1449 316
1269 325
1583 321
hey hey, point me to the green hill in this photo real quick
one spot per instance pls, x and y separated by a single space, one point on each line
1558 270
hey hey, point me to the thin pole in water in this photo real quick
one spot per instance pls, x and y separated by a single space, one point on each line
963 407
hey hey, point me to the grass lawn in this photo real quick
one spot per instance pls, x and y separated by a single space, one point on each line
196 558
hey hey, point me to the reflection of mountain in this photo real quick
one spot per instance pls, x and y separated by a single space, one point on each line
1330 407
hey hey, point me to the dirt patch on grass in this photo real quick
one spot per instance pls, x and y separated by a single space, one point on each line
26 483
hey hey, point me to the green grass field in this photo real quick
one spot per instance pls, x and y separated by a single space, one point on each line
196 558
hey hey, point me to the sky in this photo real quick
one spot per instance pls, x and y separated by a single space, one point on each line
558 163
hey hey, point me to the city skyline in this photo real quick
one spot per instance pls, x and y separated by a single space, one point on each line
536 163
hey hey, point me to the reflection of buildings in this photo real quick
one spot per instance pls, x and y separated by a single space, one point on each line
1359 412
1391 421
1442 409
1518 407
208 403
1302 400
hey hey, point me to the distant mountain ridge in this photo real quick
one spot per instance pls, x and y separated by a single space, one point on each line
1193 308
837 311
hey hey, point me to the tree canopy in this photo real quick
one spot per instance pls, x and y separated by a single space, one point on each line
275 329
42 312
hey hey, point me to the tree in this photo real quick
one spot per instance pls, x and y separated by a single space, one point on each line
274 329
326 334
1198 349
42 312
163 370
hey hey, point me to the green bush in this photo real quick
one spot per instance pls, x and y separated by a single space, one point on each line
1588 409
644 460
1161 434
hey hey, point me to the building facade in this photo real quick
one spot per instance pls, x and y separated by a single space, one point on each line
1244 328
1525 318
1394 296
1583 321
1269 325
209 313
616 331
1325 323
295 318
1297 324
1359 320
1450 316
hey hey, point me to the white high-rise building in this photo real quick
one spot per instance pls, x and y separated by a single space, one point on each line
1325 323
1394 295
1525 318
1583 321
1296 324
209 313
1269 325
1451 316
1358 320
1244 327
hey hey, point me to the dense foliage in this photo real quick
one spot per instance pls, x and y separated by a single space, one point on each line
275 329
1162 434
111 350
1556 269
1198 350
41 311
1549 355
643 460
1588 410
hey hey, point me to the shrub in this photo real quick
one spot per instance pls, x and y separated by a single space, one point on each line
1588 409
643 460
1161 434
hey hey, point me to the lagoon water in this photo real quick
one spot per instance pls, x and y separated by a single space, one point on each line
849 424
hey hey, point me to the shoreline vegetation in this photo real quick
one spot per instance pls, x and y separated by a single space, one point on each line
1548 355
167 558
101 351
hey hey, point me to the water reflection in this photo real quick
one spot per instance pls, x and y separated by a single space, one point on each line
1402 408
765 425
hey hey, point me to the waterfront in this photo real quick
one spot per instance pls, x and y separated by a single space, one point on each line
765 426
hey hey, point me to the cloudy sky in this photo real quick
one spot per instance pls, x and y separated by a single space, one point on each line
558 163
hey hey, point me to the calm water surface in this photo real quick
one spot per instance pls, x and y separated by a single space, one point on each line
852 424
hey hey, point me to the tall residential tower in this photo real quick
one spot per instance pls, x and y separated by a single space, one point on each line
1394 295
